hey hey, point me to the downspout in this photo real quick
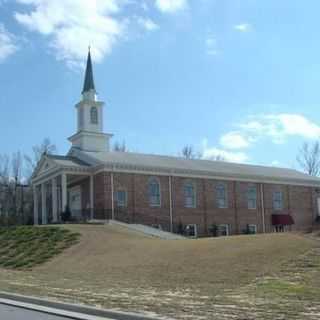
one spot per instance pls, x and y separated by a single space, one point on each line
170 204
112 196
262 208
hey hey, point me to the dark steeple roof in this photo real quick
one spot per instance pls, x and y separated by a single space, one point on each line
88 80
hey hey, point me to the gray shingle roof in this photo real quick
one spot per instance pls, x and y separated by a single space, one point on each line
217 168
67 161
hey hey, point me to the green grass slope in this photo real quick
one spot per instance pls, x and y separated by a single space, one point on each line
27 246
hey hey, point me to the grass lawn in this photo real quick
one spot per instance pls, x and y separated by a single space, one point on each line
26 247
274 276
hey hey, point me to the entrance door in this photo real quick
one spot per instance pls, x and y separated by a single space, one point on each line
75 201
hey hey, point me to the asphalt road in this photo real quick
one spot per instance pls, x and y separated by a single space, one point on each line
12 313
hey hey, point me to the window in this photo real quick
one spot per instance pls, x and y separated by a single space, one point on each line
221 194
94 115
252 229
154 192
277 200
81 117
189 195
191 230
223 230
121 198
252 197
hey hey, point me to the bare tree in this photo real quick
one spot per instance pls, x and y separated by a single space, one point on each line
218 157
120 147
188 152
4 169
309 158
37 151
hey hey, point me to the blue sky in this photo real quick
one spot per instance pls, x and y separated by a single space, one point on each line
238 78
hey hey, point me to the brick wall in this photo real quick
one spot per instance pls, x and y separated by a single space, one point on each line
300 202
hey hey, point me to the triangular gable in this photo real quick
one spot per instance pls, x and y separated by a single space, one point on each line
43 165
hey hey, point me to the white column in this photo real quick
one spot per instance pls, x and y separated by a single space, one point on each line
35 206
54 200
91 198
112 196
44 203
64 195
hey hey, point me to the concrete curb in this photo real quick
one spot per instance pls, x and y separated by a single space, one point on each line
68 310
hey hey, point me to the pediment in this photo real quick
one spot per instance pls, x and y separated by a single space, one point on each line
44 165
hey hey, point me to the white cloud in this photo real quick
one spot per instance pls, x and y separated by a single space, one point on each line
279 127
243 27
72 25
234 140
211 153
171 6
211 46
7 43
147 24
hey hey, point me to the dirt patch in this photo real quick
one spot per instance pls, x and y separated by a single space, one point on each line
221 278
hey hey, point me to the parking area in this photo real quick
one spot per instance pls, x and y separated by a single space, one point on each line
13 313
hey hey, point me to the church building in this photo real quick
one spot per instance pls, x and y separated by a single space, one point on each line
200 197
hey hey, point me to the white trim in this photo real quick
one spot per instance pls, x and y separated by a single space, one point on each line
205 175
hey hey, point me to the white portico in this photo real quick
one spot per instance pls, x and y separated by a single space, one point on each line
55 178
51 183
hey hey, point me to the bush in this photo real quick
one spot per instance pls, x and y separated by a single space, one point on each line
66 214
213 230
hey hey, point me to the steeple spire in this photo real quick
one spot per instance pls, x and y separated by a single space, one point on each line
88 80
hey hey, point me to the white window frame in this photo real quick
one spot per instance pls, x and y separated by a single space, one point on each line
194 197
225 198
280 200
121 204
151 203
252 199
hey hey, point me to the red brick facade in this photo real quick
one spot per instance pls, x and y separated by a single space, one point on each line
298 201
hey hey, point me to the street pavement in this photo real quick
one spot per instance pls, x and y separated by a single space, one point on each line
12 313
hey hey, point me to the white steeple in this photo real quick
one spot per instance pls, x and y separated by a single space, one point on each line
90 136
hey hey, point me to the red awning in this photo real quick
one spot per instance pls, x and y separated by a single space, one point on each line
282 219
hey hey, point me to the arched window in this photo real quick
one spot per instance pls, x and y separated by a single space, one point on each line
154 192
221 195
189 195
94 115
